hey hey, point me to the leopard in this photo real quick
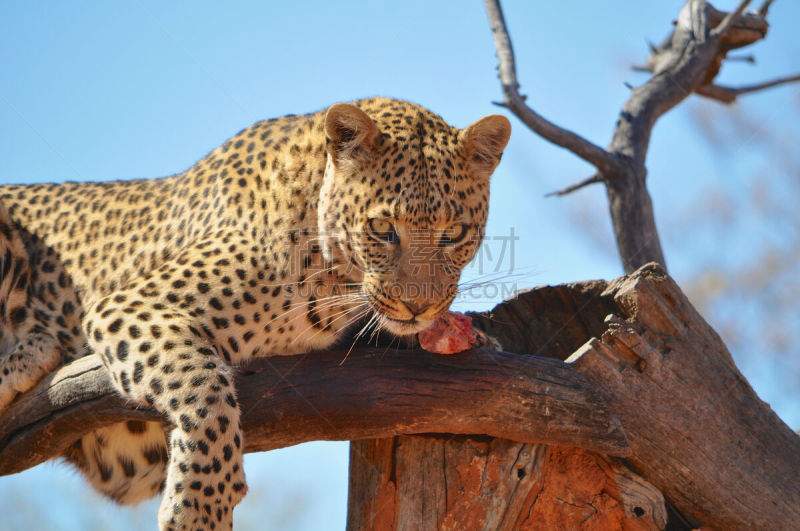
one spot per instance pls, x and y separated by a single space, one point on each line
279 242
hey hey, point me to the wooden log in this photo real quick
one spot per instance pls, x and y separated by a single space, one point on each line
451 482
373 393
485 483
698 431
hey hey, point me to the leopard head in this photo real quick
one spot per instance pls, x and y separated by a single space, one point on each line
404 203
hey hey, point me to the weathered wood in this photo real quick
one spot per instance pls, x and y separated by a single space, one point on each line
451 482
687 62
485 483
698 431
373 393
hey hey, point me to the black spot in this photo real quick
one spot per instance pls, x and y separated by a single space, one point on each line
638 511
203 446
138 372
230 400
186 423
115 326
122 350
18 315
136 426
156 386
156 454
105 470
128 468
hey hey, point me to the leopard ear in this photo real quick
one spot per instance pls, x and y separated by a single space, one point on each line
484 142
349 131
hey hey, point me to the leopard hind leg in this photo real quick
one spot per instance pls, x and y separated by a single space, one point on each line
126 461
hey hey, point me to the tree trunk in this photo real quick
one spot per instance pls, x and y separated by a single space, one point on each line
646 379
698 432
457 483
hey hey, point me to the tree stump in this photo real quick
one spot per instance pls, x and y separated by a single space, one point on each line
698 432
487 483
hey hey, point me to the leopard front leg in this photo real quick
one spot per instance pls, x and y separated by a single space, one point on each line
25 363
158 356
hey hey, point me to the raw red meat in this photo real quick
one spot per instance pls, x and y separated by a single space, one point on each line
451 333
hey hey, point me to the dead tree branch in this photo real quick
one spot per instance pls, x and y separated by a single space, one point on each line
577 186
729 94
687 62
716 451
375 393
698 432
515 102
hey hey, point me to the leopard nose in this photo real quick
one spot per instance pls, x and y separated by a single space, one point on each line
417 308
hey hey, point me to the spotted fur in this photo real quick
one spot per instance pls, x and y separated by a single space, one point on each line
275 243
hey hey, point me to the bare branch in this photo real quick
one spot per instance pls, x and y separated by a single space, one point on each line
730 19
741 58
591 153
764 9
577 186
286 400
729 94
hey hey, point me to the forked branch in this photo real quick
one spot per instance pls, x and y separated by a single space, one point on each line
687 62
591 153
730 94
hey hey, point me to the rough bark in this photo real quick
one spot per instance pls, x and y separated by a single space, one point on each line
373 393
687 62
483 483
698 432
386 495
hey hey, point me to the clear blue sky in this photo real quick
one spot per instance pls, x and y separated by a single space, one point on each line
117 90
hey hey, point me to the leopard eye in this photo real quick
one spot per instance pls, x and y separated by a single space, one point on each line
453 234
383 230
